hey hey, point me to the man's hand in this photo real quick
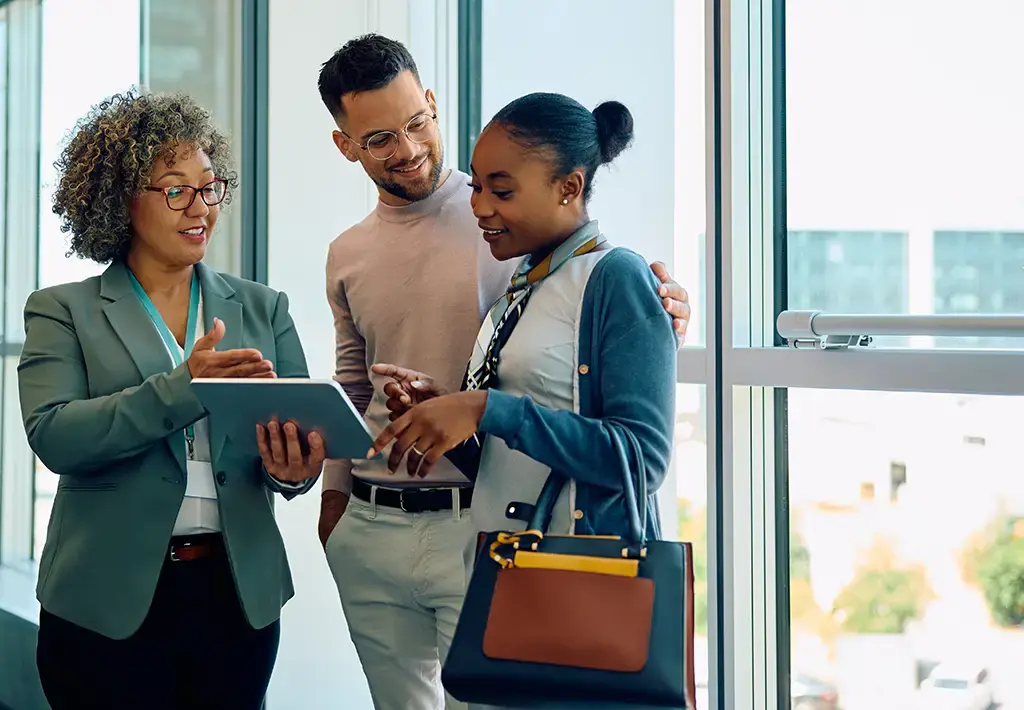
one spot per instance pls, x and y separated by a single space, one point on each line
282 454
675 299
406 389
332 507
207 362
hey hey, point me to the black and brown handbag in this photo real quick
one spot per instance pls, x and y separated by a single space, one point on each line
577 618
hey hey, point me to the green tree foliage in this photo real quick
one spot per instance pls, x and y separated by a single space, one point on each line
994 561
883 597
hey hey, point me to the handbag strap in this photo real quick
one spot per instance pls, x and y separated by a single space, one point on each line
638 501
636 494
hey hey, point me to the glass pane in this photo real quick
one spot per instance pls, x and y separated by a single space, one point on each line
689 468
70 32
195 46
904 153
3 152
650 58
19 181
9 416
907 550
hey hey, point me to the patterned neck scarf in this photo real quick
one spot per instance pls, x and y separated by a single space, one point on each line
499 323
505 313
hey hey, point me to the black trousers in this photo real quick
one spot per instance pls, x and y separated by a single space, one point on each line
194 650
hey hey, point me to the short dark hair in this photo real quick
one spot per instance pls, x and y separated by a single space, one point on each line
575 136
365 63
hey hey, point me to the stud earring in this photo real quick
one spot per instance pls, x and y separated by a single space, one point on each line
565 200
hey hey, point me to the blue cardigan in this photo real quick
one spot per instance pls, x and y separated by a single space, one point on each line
626 379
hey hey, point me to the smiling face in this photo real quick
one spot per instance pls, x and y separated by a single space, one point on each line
176 238
414 171
517 198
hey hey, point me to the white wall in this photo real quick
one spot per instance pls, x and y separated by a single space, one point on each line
313 195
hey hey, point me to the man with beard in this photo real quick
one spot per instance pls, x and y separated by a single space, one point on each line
409 285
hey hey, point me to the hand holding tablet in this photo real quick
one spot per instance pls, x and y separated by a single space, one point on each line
286 456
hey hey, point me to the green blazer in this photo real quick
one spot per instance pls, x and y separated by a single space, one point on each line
104 411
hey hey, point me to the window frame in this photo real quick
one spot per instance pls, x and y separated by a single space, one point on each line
20 263
255 136
470 75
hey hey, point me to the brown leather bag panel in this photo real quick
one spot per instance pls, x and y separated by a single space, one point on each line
578 619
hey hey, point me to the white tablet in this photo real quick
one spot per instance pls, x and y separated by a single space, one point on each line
237 405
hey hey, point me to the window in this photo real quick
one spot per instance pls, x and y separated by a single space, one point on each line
848 271
979 272
686 493
896 139
196 46
891 496
881 584
19 175
67 94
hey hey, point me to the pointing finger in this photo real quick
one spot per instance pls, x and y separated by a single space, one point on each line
394 390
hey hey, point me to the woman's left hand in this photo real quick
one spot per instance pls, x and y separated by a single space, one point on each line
282 453
431 429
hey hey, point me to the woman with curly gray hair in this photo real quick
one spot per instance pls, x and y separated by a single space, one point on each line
163 575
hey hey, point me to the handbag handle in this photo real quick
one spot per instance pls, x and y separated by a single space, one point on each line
636 495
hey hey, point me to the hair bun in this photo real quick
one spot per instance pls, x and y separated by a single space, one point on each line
614 129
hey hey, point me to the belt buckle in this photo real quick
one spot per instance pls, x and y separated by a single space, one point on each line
174 556
401 501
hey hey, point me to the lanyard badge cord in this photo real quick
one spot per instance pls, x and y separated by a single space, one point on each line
177 357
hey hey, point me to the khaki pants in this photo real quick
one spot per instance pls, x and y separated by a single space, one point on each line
401 578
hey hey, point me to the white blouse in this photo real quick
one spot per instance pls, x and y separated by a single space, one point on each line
538 361
199 512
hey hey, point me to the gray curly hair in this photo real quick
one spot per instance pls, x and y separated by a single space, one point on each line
109 158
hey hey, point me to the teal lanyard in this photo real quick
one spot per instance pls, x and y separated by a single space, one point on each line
168 337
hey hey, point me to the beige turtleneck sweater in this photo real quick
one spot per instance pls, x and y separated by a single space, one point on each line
408 286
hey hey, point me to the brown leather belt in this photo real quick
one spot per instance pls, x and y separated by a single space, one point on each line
194 547
412 500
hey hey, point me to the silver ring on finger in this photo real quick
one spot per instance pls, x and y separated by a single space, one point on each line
422 460
419 453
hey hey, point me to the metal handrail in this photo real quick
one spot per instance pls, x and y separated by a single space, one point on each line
837 330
